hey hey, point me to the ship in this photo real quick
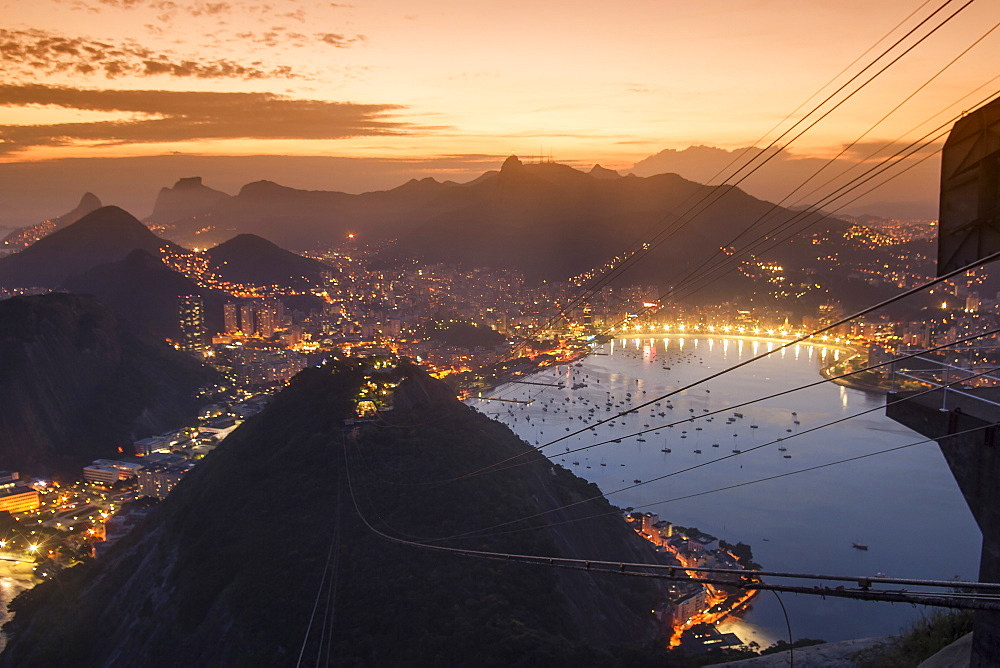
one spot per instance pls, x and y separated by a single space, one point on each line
859 546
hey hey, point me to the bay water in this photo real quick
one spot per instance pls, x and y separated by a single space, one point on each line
904 505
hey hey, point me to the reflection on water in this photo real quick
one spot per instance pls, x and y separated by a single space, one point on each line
904 505
15 577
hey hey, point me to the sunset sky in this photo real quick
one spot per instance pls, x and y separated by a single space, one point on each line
585 82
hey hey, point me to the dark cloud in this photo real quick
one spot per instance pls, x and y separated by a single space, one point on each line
33 52
169 116
193 8
338 40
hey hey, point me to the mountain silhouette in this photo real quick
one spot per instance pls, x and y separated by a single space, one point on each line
25 236
143 291
250 259
187 198
547 220
105 235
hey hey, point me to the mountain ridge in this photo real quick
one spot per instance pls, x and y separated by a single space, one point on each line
25 236
104 235
547 220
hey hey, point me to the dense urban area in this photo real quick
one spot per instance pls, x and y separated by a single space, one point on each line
475 328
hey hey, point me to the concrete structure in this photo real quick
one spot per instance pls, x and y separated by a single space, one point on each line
125 470
147 446
162 474
230 317
974 459
106 475
191 316
969 226
969 230
18 498
687 604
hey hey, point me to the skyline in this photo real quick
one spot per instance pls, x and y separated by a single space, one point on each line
585 84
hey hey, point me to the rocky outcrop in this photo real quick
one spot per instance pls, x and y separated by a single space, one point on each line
189 197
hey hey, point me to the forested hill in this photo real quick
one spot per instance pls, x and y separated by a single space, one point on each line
227 570
75 385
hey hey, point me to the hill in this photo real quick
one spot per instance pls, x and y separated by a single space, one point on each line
912 194
74 386
188 198
25 236
547 220
250 259
228 569
143 291
105 235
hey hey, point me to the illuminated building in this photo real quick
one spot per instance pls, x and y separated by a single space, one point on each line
230 316
247 325
687 604
14 497
123 470
157 478
267 319
101 473
191 313
147 446
261 367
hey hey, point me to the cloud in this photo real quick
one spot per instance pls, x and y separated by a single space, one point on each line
33 52
193 8
878 149
169 116
338 40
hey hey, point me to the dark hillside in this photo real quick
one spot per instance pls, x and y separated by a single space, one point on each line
226 571
143 291
75 386
249 259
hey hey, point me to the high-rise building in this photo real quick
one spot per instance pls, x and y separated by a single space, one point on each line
267 318
230 317
191 314
247 324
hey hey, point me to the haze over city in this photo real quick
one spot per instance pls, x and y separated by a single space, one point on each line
443 89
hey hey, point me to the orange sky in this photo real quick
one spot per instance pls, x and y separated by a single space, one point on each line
585 82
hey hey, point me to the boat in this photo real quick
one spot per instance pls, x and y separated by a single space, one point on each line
665 450
697 452
859 546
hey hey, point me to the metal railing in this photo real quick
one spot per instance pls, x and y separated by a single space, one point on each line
951 378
